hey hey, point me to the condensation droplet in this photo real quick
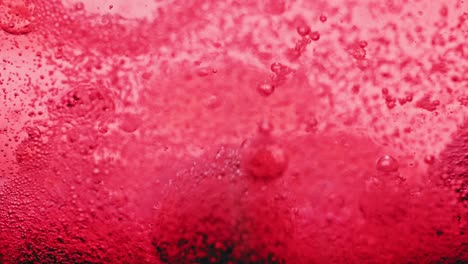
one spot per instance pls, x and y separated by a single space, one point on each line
213 102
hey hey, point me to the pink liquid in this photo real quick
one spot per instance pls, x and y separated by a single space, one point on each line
271 131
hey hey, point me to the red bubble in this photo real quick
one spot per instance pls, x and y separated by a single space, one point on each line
314 35
265 89
303 30
265 160
387 164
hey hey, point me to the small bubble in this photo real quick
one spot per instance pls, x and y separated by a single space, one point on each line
130 122
79 6
387 164
103 129
314 35
303 30
429 159
409 98
265 126
276 67
355 89
265 89
323 18
212 102
265 160
311 125
204 71
443 11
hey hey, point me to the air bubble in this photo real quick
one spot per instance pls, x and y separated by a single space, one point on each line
265 160
314 35
130 122
429 159
265 126
323 18
87 101
303 30
265 89
16 19
387 164
79 6
204 71
276 67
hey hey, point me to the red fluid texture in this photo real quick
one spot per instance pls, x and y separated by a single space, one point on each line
270 131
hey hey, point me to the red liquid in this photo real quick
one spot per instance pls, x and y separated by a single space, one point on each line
265 131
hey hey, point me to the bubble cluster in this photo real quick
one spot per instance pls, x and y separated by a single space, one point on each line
130 131
16 17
